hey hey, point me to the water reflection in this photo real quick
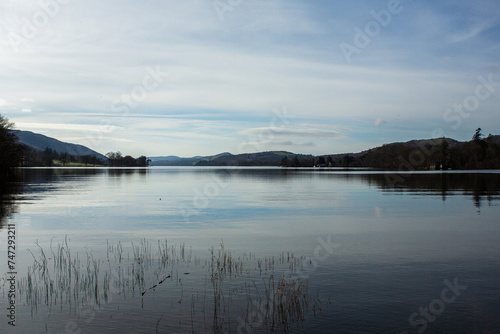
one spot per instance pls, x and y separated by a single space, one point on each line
127 171
392 245
481 187
46 176
33 183
8 190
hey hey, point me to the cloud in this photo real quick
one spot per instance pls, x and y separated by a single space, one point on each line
227 76
281 143
379 122
104 138
471 32
63 126
294 132
327 126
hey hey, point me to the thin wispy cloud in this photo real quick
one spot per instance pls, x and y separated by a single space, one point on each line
295 132
470 33
62 126
266 145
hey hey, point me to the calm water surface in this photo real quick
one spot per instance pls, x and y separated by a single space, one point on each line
136 251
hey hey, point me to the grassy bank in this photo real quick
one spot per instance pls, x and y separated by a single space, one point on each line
58 163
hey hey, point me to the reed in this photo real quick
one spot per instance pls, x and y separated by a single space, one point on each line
85 279
284 302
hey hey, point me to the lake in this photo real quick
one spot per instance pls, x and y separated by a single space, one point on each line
250 250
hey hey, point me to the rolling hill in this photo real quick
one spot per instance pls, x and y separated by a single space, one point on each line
172 160
271 158
40 143
430 153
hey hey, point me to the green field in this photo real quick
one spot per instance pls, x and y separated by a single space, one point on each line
58 163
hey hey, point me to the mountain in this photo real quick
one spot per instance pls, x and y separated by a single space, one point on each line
271 158
439 153
415 154
178 161
40 143
167 158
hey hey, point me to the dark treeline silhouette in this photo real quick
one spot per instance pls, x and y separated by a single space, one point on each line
11 152
115 159
427 154
434 154
297 161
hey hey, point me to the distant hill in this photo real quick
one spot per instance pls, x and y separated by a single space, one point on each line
439 153
167 158
272 158
423 154
173 160
176 162
228 159
40 143
415 154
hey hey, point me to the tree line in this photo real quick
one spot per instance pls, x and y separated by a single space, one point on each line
116 159
14 154
52 158
434 154
11 152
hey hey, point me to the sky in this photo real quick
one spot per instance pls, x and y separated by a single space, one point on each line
203 77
